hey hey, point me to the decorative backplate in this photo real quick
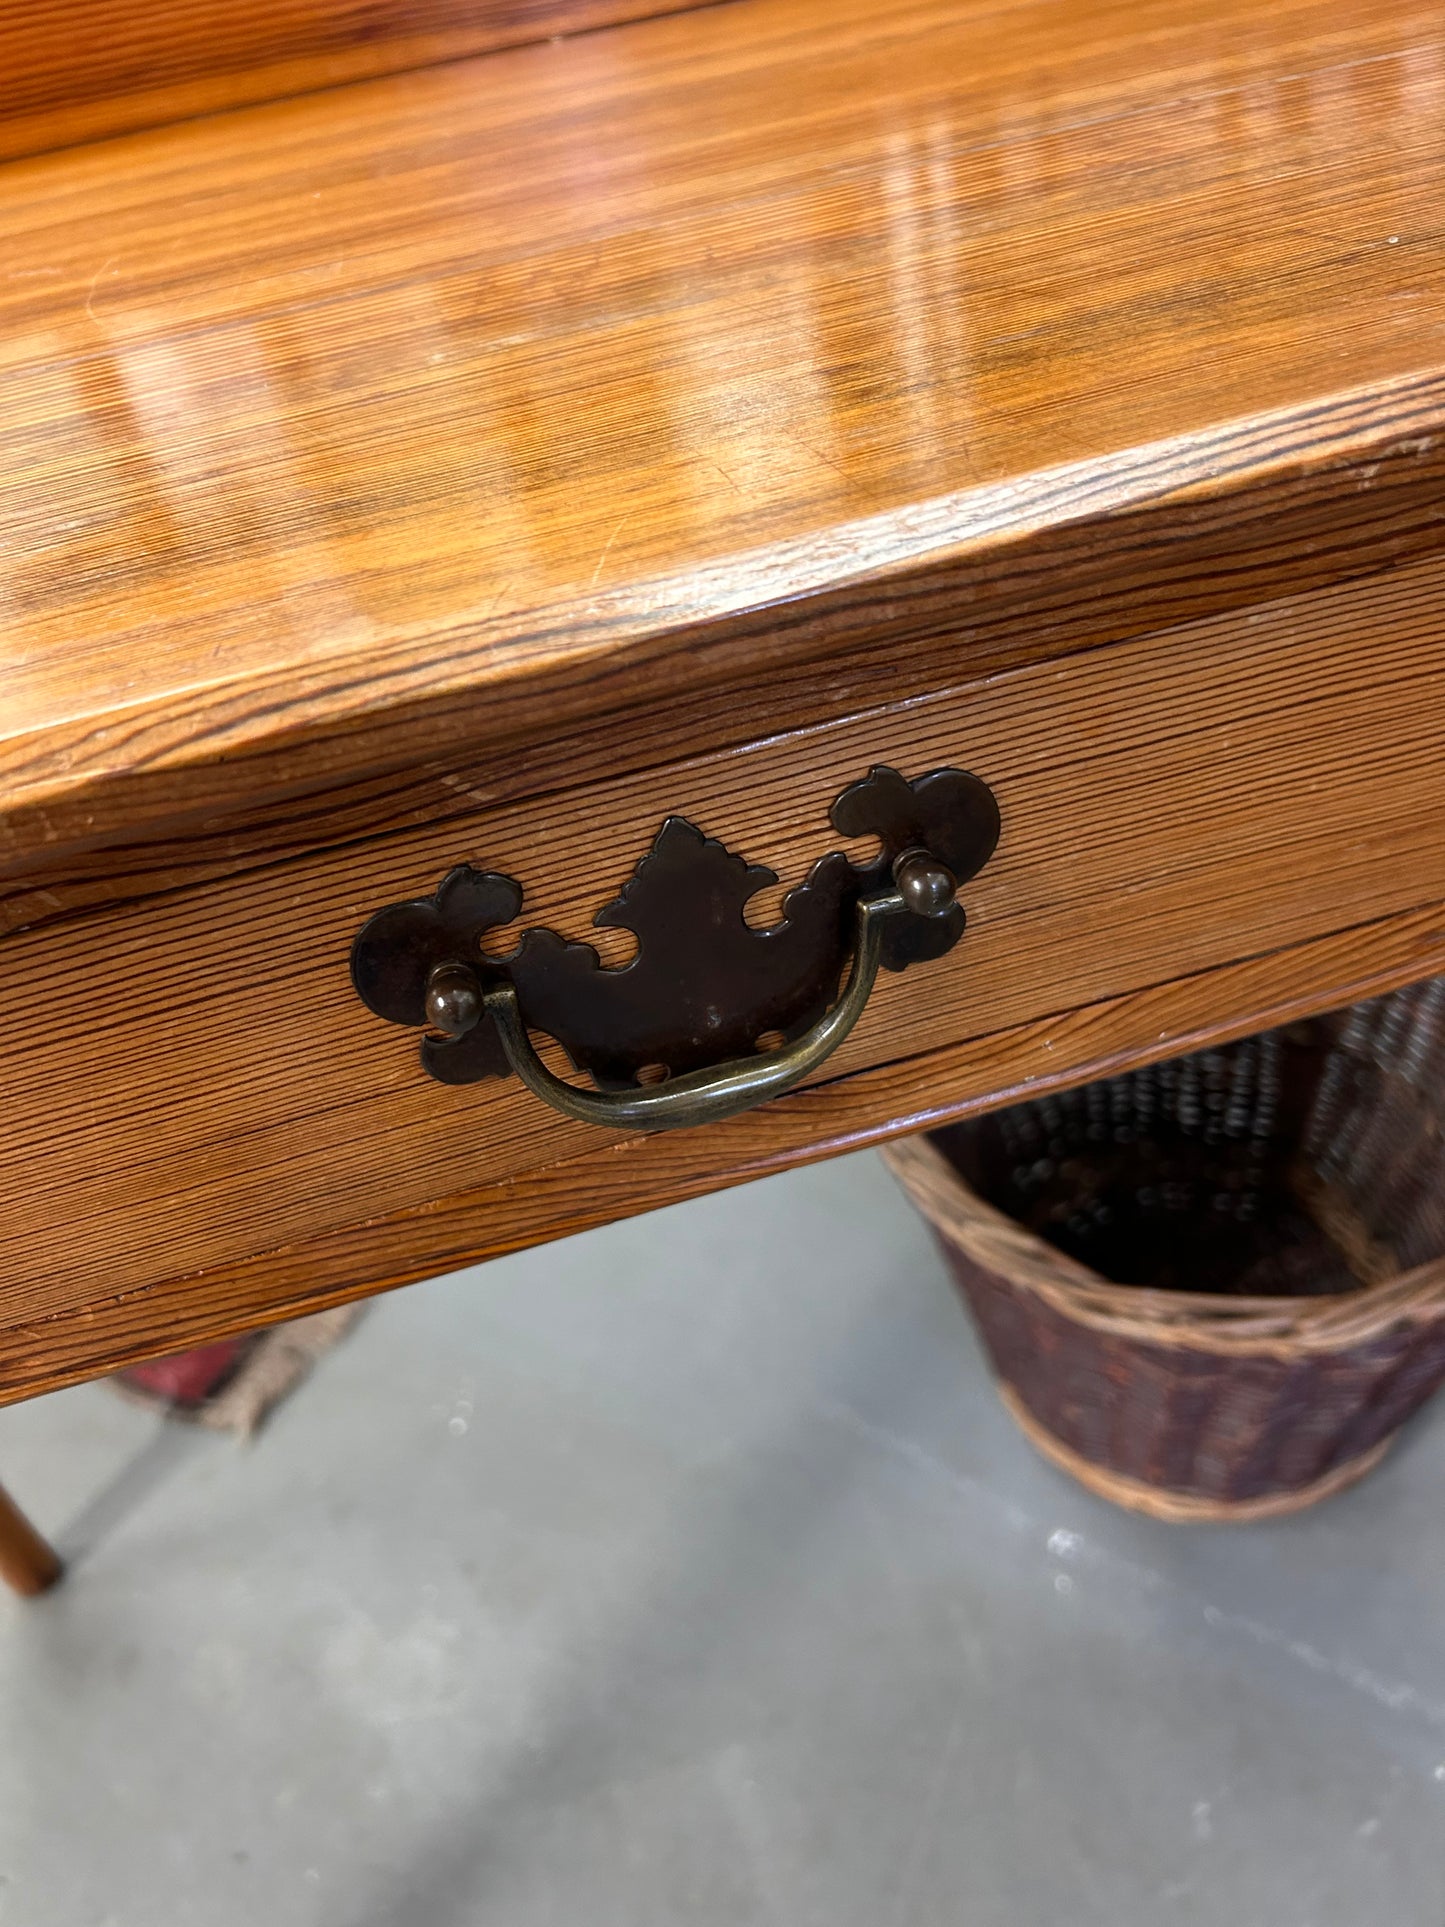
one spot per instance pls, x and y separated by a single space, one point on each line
705 985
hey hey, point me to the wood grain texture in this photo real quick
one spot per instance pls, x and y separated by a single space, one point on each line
27 1563
705 375
112 1328
191 1081
84 70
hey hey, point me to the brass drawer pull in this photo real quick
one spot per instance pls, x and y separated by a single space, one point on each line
705 988
700 1097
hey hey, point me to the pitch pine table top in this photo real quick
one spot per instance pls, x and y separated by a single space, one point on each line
398 424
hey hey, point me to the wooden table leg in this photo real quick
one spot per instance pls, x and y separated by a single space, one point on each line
27 1562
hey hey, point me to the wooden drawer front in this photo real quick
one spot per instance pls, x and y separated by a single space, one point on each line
191 1081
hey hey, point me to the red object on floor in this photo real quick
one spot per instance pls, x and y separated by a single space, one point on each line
188 1378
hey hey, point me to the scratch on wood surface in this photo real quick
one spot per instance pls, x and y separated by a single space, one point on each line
607 548
95 279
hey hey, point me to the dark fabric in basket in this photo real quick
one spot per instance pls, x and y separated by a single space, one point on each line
1175 1176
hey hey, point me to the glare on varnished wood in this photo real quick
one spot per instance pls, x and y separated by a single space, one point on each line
330 414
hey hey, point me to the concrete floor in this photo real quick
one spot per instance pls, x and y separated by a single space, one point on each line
688 1575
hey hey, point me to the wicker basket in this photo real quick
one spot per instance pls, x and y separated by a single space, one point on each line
1274 1216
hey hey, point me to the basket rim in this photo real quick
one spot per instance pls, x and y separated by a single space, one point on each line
1176 1319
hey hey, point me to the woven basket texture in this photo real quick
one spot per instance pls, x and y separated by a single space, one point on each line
1213 1287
